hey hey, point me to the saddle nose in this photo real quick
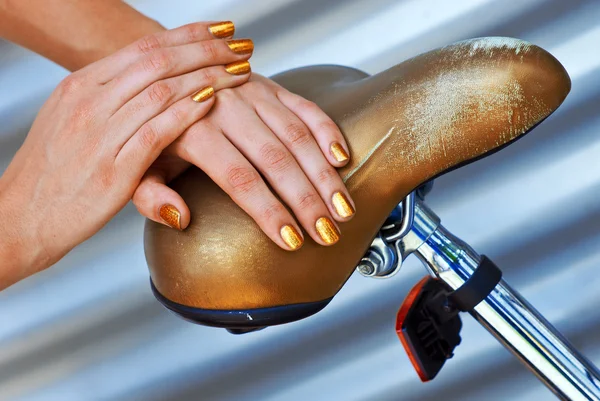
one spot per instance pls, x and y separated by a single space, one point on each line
404 126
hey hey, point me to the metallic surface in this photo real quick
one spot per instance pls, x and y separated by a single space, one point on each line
90 328
342 205
241 46
380 260
505 314
203 94
291 237
170 215
338 151
238 67
403 126
327 230
224 29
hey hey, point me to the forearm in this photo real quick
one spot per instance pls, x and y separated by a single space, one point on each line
21 253
73 33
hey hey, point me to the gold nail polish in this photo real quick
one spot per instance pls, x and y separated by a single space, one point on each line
327 231
241 46
238 68
342 205
171 216
203 94
291 237
339 152
222 29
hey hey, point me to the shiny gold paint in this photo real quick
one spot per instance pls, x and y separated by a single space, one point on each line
342 205
221 30
403 127
203 94
291 237
170 215
238 68
241 46
338 152
327 231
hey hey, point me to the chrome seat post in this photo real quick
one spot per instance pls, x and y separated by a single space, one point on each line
504 312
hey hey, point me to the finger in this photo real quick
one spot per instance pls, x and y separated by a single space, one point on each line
172 61
207 148
301 143
156 201
143 148
106 69
162 94
326 132
266 152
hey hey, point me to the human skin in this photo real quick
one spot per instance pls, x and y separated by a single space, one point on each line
94 139
275 133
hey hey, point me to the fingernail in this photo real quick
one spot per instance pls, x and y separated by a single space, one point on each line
241 46
238 68
291 237
338 152
203 94
342 205
327 231
170 215
223 29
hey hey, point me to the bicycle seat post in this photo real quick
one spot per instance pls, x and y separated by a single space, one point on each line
503 312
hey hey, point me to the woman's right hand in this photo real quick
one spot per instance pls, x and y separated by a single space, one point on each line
100 131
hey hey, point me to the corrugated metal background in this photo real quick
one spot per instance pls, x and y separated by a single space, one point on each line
89 328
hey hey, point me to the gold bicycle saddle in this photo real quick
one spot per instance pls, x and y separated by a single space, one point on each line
404 126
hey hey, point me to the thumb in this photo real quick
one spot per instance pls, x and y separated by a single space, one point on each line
156 201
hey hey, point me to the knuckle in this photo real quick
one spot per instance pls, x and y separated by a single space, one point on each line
207 76
327 175
275 156
178 116
71 84
307 200
158 61
272 211
149 137
308 106
210 50
328 126
148 44
257 89
160 92
192 32
242 179
297 134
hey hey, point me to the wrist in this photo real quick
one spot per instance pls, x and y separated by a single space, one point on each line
21 252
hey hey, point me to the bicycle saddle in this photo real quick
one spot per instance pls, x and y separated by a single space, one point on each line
404 126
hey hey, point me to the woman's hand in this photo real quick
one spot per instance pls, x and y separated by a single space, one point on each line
260 128
100 131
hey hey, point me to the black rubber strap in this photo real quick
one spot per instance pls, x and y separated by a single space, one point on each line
477 287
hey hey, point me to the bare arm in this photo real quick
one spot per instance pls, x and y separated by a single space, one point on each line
73 33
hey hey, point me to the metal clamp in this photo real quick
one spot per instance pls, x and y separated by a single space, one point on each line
381 259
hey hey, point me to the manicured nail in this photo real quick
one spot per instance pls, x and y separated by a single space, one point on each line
342 205
238 68
291 237
223 29
327 231
241 46
203 94
338 152
171 216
